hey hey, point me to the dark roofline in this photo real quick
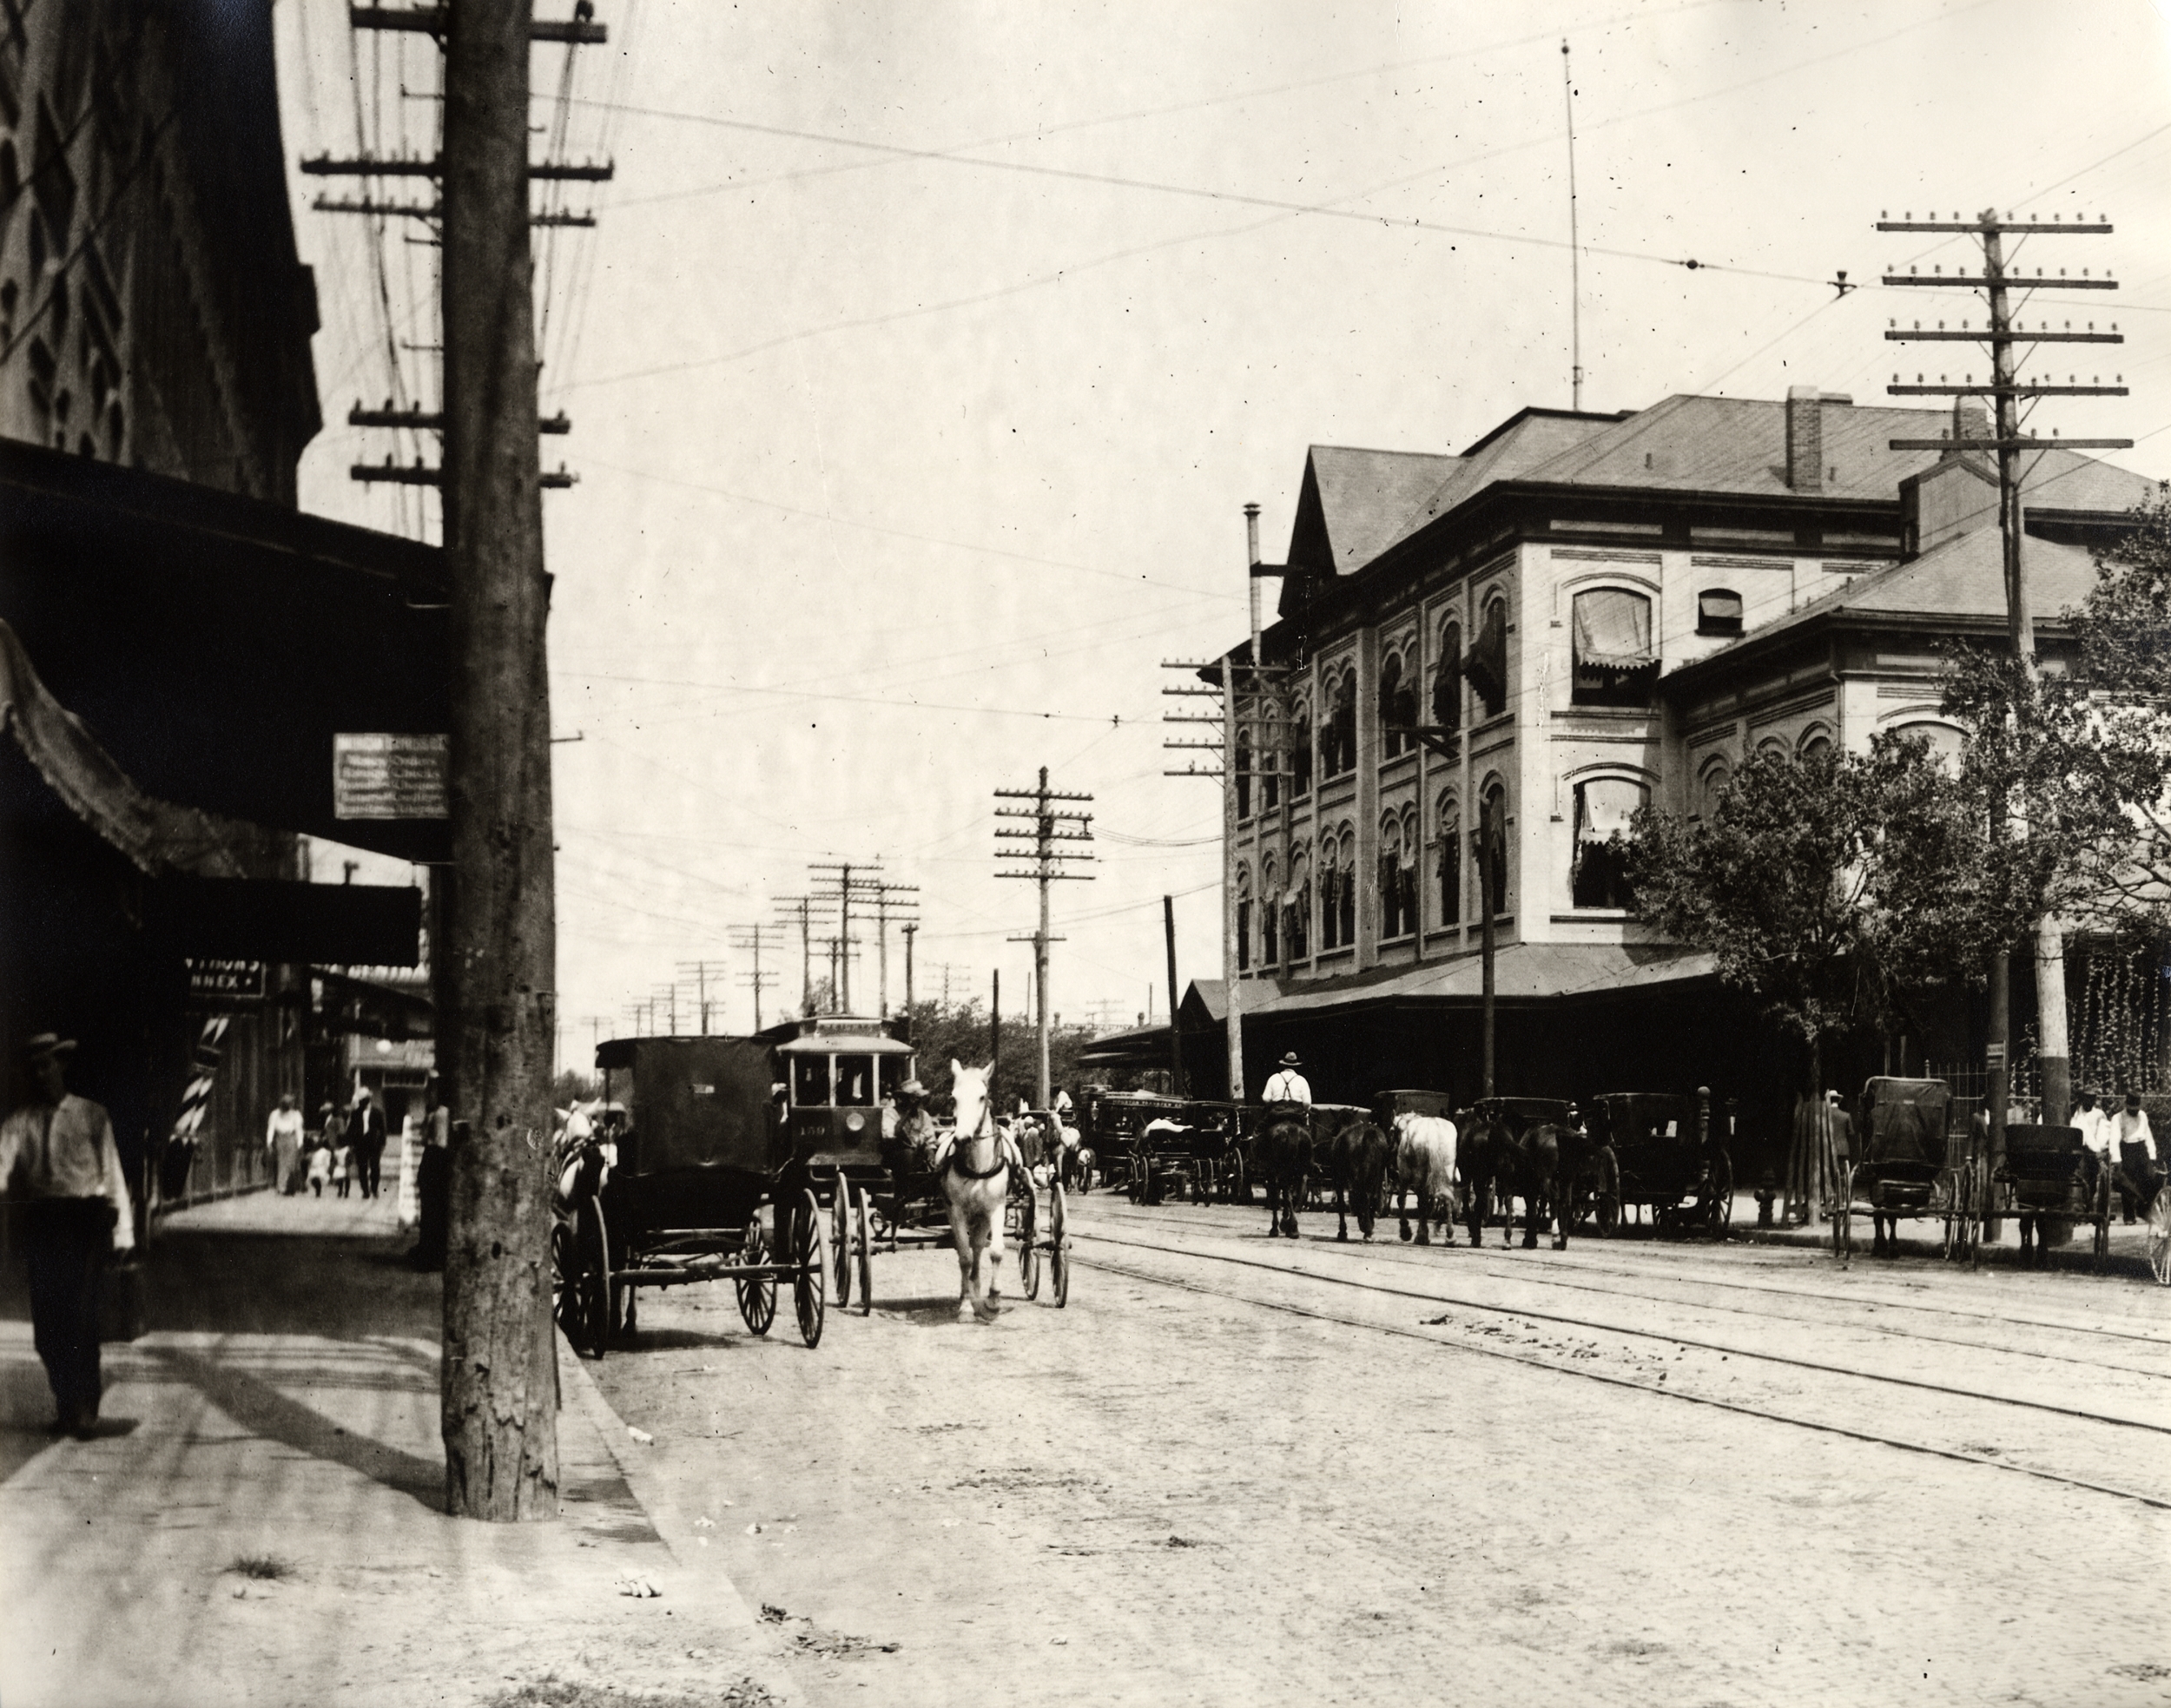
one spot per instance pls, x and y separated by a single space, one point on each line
1523 415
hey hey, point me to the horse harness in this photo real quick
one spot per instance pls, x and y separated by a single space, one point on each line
983 1127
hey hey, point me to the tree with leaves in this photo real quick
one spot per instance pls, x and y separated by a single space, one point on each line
1836 888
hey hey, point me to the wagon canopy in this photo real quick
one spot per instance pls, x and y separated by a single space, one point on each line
1636 1118
1903 1122
698 1103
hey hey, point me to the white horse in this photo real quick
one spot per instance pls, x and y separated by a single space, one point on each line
974 1166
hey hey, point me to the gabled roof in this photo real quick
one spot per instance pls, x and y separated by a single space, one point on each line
1354 504
1961 581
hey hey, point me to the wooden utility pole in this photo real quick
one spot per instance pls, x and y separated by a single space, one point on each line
911 929
1045 867
1174 1038
1997 280
500 1370
749 937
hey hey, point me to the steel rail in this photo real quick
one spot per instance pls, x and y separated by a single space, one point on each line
1733 1406
1560 1320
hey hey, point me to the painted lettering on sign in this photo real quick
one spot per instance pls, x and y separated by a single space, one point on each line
225 981
388 776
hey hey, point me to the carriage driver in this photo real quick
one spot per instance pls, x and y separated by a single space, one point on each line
909 1147
1287 1085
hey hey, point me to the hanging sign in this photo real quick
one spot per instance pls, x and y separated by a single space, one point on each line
225 981
388 776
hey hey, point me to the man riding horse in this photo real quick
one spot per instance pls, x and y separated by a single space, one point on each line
1285 1145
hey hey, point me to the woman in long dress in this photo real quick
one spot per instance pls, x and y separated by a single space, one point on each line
282 1137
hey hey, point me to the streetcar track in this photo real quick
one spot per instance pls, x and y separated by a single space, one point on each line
1560 1320
1610 1380
1533 1272
1547 1277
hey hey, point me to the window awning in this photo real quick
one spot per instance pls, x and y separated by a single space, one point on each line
1612 630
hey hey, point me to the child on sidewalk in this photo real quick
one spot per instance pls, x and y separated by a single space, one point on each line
343 1168
319 1167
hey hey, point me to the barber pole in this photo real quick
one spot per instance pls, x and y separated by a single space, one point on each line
205 1059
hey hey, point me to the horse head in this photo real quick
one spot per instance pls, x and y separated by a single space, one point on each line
969 1086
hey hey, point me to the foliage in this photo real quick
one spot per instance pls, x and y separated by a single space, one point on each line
2083 754
573 1086
1835 887
960 1030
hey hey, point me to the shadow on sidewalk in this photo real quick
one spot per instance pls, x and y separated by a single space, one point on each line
263 1410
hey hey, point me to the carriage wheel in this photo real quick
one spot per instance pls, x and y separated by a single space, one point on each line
1719 1196
592 1286
807 1293
859 1214
1059 1251
1608 1213
757 1293
842 1242
1842 1220
564 1266
1137 1180
1028 1251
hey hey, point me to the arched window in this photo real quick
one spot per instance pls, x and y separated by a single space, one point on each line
1270 768
1243 771
1243 919
1485 666
1300 750
1391 922
1614 665
1718 611
1330 895
1391 737
1494 808
1944 743
1711 786
1342 734
1270 916
1447 678
1297 926
1412 863
1818 746
1604 809
1347 897
1451 860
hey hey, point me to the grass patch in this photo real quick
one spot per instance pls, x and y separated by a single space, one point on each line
566 1693
264 1567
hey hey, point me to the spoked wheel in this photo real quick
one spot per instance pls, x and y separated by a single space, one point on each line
565 1269
1137 1180
1059 1252
1842 1220
1608 1213
842 1242
2103 1249
1029 1253
757 1293
808 1295
1719 1197
866 1253
591 1285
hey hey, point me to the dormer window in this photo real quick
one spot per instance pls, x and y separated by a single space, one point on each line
1717 612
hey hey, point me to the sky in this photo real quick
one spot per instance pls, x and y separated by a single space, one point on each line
922 360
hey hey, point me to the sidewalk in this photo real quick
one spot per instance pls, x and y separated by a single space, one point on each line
2127 1258
283 1409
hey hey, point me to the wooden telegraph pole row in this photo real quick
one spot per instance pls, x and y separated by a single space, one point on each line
2003 332
1045 866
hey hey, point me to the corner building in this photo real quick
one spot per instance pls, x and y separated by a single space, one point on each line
1590 612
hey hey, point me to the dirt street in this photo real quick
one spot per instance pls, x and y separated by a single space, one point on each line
1236 1471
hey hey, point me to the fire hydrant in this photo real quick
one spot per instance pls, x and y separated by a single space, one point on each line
1765 1193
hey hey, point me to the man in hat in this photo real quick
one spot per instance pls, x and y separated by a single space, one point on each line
1287 1085
2134 1158
56 1152
366 1138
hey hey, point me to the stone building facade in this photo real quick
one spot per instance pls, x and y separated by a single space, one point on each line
153 311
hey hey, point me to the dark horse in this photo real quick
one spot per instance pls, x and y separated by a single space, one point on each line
1358 1156
1498 1163
1282 1157
1562 1160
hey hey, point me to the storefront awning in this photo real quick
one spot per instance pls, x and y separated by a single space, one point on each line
217 644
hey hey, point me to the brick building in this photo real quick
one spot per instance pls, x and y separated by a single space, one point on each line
1596 611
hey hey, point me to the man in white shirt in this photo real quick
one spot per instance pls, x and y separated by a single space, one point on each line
1287 1085
56 1152
2135 1156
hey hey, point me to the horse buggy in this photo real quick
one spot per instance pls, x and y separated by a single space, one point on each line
700 1184
1154 1148
887 1193
1661 1152
2048 1174
1905 1167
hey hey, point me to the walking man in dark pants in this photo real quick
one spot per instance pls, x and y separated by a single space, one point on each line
366 1138
56 1152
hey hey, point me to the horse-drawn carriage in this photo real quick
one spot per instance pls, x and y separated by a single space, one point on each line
1662 1151
2047 1174
1153 1148
1904 1167
704 1185
885 1195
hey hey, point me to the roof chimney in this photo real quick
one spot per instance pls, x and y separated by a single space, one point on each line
1805 439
